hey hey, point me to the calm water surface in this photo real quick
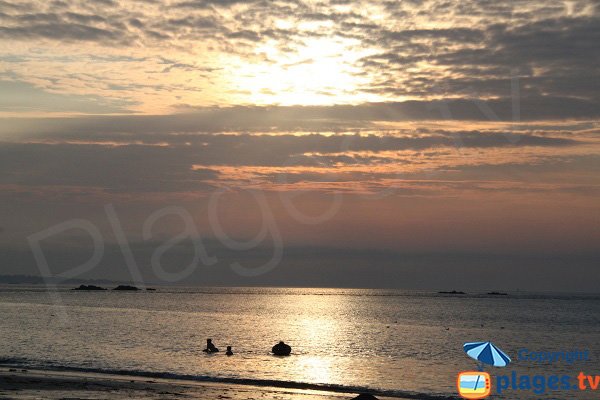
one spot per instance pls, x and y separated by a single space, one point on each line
395 341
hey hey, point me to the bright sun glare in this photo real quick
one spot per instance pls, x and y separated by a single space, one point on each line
322 71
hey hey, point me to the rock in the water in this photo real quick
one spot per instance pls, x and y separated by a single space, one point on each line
365 396
89 287
126 287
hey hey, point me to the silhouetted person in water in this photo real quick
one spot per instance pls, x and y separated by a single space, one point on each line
229 352
210 347
281 349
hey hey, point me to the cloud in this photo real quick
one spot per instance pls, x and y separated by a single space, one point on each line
309 118
203 4
550 56
465 130
23 97
434 50
68 26
451 35
133 163
74 32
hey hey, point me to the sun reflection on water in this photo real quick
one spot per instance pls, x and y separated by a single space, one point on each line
322 328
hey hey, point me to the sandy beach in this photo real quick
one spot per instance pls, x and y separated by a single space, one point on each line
36 384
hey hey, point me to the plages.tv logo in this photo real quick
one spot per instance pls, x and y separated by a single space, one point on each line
477 384
473 384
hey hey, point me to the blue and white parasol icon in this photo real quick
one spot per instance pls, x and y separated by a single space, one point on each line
486 353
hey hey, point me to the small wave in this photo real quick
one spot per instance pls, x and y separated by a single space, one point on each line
229 380
10 361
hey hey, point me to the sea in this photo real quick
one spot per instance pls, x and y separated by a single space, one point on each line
394 343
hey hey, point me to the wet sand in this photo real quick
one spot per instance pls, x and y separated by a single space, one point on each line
35 384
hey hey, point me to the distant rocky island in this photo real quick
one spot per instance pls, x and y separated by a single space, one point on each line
84 284
120 288
127 287
89 287
452 292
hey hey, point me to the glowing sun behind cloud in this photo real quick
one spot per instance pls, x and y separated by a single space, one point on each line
320 71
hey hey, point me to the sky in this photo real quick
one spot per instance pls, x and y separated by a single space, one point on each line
420 144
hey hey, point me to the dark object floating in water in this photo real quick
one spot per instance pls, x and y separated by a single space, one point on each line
229 352
497 294
210 347
151 289
452 292
126 287
281 349
88 287
365 396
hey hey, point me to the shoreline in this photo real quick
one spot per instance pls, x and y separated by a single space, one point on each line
20 383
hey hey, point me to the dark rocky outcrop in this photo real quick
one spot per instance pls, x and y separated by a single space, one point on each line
88 287
126 287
